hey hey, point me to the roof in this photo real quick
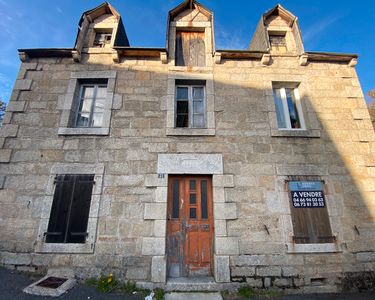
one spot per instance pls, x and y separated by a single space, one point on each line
189 4
104 8
282 12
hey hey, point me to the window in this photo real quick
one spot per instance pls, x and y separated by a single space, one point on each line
87 105
70 209
190 106
278 41
102 39
309 213
288 108
91 105
190 49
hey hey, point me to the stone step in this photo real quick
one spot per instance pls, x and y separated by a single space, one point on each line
196 284
193 296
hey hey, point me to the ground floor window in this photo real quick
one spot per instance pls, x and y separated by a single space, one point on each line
310 218
70 209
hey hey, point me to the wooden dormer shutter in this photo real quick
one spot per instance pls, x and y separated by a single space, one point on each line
190 49
70 209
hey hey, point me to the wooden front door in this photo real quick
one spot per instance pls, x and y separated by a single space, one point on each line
190 226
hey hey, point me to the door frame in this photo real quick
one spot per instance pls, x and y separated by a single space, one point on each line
184 222
155 211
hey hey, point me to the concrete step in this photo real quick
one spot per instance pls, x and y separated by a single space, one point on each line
193 296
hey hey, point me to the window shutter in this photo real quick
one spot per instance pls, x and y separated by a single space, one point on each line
60 208
190 49
322 228
70 209
80 209
301 222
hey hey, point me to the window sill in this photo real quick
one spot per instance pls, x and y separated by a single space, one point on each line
313 248
190 131
190 69
83 131
313 133
42 247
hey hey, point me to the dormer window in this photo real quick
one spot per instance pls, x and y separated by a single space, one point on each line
102 39
278 41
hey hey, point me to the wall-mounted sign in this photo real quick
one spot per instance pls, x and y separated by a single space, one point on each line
307 194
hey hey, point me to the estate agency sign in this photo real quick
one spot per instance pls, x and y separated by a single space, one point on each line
307 194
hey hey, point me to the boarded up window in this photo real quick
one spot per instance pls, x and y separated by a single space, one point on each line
190 49
70 209
309 213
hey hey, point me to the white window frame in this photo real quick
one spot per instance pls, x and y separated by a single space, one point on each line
94 98
286 109
190 104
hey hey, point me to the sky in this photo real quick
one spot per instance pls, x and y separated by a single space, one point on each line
333 26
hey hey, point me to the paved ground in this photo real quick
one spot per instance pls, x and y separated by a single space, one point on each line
12 283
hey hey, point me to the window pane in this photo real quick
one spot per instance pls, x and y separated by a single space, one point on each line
204 199
193 213
83 120
293 112
198 107
88 92
97 119
281 122
101 92
85 105
176 199
182 93
99 105
198 93
182 107
192 185
182 120
198 121
193 198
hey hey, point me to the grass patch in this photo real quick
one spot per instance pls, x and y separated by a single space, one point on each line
130 287
247 292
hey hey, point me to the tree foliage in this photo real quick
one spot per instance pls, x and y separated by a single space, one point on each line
371 94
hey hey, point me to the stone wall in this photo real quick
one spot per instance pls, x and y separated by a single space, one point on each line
338 147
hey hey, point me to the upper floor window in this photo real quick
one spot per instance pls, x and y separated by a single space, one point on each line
102 39
288 108
91 105
190 106
190 49
278 41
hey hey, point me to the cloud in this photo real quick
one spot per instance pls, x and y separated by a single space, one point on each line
5 87
59 10
320 26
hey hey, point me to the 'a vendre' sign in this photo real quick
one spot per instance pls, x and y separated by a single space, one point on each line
307 194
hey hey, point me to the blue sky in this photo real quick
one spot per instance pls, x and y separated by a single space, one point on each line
335 25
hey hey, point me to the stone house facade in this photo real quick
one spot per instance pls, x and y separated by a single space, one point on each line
240 166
